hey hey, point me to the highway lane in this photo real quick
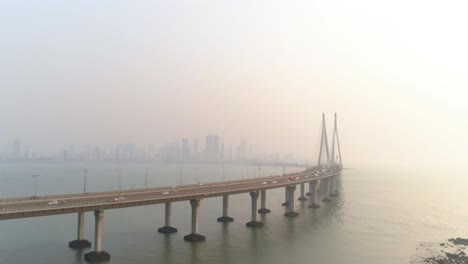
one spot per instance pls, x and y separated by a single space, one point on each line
105 200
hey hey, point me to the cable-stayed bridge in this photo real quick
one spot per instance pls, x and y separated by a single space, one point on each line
320 180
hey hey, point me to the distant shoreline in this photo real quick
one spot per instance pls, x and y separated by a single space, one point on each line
214 163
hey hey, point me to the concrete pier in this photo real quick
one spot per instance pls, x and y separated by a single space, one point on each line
286 197
302 197
225 218
263 209
98 254
313 195
194 236
325 190
290 209
167 228
254 222
80 242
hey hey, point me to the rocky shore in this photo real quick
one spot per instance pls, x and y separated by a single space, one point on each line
451 252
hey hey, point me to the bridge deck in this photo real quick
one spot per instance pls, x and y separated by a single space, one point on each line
71 203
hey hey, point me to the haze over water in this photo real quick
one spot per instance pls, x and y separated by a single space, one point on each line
89 73
380 216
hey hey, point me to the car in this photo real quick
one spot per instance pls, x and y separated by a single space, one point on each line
173 187
264 182
119 199
165 193
273 181
316 174
291 178
297 178
53 202
307 176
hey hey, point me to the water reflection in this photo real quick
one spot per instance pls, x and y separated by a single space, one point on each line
195 253
167 249
225 244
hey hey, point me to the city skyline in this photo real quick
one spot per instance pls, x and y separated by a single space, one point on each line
185 149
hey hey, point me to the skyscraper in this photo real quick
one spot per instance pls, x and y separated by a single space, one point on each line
212 147
16 149
185 149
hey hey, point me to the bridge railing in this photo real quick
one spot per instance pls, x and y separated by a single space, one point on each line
141 190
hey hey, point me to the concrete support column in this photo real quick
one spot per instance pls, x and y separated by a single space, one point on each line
313 195
80 242
325 189
263 209
194 236
167 228
286 197
302 197
98 254
254 222
290 210
225 218
80 230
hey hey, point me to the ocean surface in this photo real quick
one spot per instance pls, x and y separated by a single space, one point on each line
380 216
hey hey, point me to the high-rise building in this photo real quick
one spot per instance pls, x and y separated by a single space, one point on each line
16 149
185 149
243 149
221 152
195 147
212 147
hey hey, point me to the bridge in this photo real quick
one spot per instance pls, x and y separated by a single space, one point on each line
321 181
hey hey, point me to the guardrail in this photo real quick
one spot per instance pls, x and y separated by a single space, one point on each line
66 209
129 191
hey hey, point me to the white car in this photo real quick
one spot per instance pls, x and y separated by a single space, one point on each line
119 199
53 202
264 182
297 178
273 181
165 193
173 187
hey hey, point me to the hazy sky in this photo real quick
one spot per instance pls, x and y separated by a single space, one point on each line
106 72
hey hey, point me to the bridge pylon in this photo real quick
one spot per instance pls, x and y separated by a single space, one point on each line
335 160
324 144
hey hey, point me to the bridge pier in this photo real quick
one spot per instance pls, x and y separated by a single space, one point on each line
80 242
263 209
167 228
290 209
225 218
194 236
302 197
313 195
325 189
254 222
286 197
98 254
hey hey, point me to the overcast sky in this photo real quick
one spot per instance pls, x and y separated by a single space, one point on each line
106 72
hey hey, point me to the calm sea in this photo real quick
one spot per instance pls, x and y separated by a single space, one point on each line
380 216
